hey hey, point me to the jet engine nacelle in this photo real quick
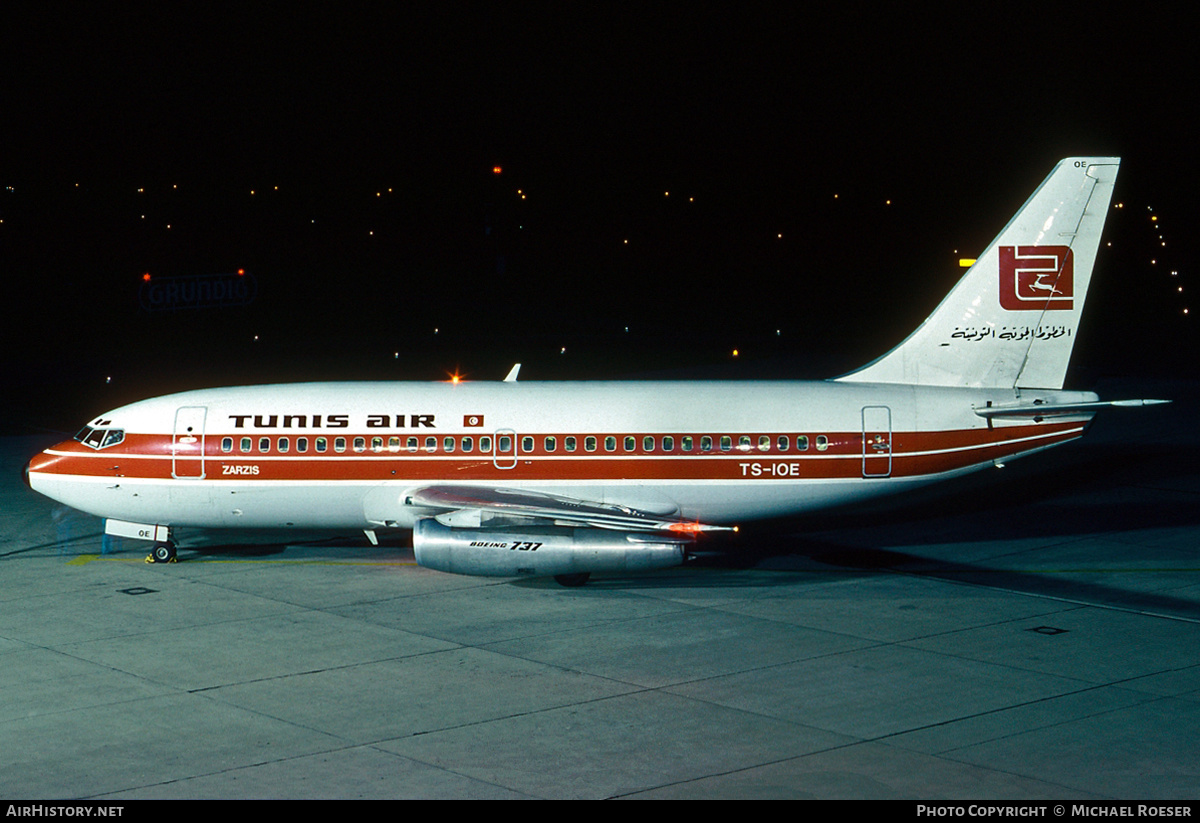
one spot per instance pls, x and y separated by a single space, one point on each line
542 551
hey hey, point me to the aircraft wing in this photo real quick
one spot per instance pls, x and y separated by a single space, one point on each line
464 505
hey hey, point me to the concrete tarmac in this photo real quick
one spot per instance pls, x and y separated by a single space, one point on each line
1029 633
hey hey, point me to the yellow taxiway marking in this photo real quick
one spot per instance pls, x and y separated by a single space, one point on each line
84 559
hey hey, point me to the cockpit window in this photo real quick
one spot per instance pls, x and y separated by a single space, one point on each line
100 438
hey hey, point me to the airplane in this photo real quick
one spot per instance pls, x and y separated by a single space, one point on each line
566 479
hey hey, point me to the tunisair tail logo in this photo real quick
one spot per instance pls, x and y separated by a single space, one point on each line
1037 278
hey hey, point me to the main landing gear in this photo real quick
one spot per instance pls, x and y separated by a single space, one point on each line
572 581
163 552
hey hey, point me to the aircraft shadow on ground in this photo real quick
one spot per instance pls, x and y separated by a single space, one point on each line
1109 488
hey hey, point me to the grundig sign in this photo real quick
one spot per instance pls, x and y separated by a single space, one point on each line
203 291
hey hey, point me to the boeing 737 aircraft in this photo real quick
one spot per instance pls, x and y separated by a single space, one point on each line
566 479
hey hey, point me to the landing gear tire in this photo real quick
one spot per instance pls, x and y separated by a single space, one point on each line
572 581
162 553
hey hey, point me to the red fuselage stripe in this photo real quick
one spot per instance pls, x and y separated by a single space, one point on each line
912 454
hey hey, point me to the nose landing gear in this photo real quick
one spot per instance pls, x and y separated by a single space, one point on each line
163 552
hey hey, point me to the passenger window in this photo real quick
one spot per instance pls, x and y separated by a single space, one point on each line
726 442
630 443
550 444
393 444
647 444
706 443
822 442
227 444
301 444
247 444
527 444
504 444
468 443
339 444
322 445
668 443
430 444
283 445
610 443
411 444
377 444
802 443
685 442
589 443
570 443
485 444
448 444
764 443
264 444
744 443
782 443
360 444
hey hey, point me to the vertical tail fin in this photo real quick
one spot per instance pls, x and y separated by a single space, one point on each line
1012 319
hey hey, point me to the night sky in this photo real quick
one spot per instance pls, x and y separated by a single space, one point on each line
674 185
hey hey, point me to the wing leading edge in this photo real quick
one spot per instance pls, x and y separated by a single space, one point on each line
464 506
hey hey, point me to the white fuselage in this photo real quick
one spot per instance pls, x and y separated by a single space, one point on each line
345 455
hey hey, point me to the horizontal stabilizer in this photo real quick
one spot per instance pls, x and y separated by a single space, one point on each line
1040 409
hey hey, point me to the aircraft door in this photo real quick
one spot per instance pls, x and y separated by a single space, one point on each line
187 443
504 449
876 441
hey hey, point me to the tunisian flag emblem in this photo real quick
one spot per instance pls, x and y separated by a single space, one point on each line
472 420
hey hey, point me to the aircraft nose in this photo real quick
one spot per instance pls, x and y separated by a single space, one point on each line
37 463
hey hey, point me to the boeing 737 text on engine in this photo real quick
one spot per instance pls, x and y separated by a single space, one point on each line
571 478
